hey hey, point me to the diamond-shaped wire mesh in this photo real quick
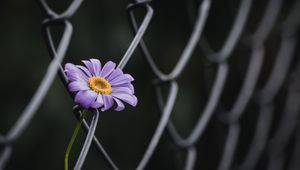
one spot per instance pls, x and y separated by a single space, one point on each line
245 94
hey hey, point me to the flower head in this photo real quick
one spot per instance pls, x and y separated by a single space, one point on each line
98 87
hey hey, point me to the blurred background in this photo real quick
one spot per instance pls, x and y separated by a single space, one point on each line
102 30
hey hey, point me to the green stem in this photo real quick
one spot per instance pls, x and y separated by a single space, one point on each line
75 133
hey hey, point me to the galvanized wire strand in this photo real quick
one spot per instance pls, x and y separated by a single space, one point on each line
144 48
288 121
96 142
88 140
262 32
190 158
234 35
202 122
70 11
267 22
230 147
285 131
47 10
138 36
35 102
203 12
5 155
279 70
207 113
48 37
256 60
271 88
52 52
42 90
187 52
47 33
251 78
101 149
167 110
30 110
258 143
267 95
191 44
238 108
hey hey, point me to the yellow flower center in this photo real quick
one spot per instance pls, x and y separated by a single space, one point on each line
99 85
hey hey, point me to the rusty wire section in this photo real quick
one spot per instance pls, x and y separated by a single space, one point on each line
280 77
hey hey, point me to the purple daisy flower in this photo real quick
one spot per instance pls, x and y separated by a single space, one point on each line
98 87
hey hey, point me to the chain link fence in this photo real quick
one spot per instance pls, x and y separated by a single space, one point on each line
265 53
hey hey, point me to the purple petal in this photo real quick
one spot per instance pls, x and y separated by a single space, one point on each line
85 70
108 68
85 98
98 103
96 66
74 73
89 65
107 101
117 72
128 85
120 105
122 90
126 78
77 86
128 98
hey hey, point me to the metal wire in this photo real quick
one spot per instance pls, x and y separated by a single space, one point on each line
96 142
271 88
138 36
166 113
27 115
264 97
88 141
187 52
256 61
207 112
6 153
234 35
